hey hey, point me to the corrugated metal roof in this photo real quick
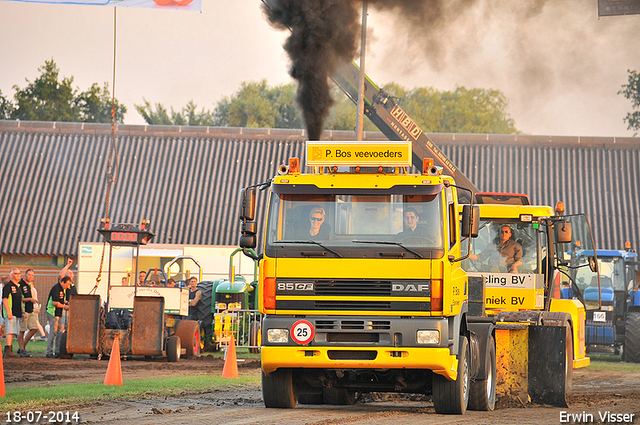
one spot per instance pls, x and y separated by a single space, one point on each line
187 179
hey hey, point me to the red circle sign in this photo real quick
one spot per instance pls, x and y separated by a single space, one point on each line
302 332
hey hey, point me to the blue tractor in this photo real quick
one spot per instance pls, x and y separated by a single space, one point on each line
613 304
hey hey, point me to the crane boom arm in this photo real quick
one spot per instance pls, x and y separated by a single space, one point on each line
395 123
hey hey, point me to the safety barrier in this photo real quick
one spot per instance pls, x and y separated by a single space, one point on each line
244 325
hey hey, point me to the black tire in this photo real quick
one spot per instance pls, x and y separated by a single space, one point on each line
278 390
339 396
189 333
632 337
452 397
173 349
482 395
254 337
311 398
64 354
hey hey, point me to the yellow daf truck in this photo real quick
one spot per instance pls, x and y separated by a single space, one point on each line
361 285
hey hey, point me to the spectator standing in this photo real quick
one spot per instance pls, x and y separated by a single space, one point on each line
56 304
12 309
29 323
194 298
141 277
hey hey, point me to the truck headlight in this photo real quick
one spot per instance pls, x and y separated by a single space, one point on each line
221 306
278 335
428 337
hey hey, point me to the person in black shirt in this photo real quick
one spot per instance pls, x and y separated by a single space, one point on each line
56 304
29 322
12 309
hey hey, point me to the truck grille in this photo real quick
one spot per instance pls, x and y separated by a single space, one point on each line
352 305
325 324
353 287
353 294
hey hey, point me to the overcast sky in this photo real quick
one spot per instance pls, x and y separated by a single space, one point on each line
558 64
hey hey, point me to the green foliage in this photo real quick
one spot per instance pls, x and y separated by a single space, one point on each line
631 91
187 116
48 99
258 105
6 107
97 105
254 105
459 111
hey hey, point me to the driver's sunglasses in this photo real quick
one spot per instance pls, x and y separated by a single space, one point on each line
316 219
505 231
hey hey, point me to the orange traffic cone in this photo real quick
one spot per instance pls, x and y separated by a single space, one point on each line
114 370
2 393
230 369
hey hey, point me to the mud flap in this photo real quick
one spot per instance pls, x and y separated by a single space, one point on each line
83 329
512 347
547 365
147 330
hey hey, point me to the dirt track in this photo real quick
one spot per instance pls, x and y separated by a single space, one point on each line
594 392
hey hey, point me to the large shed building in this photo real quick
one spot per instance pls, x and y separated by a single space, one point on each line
187 180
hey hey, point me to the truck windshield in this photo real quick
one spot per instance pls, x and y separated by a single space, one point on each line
500 242
346 224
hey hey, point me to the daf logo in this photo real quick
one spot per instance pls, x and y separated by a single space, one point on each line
409 287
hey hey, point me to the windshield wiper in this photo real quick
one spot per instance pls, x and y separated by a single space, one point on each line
310 242
417 254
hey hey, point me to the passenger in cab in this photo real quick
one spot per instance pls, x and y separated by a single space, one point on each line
317 227
410 227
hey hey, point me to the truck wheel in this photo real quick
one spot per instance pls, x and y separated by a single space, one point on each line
277 389
63 347
482 395
632 337
173 349
254 336
189 333
452 397
339 396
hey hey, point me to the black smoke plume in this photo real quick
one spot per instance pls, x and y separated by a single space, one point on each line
323 33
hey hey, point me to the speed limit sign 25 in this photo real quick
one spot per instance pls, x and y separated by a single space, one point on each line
302 332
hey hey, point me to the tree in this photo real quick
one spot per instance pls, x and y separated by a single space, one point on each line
459 111
632 92
96 105
258 105
48 99
6 107
188 115
254 105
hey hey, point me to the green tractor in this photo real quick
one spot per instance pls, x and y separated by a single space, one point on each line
232 303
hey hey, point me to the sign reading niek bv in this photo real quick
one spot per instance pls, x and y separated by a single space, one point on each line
368 154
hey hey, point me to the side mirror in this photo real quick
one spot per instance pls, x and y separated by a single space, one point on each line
248 204
248 241
470 221
563 232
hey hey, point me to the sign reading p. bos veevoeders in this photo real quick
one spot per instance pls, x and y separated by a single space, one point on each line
386 154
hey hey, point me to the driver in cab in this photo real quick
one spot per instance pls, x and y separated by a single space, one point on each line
505 252
317 227
410 220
